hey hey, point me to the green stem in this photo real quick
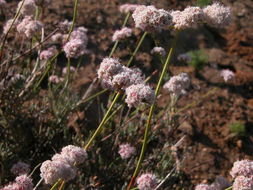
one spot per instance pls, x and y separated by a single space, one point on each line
8 31
117 42
56 184
136 49
104 120
73 20
151 111
229 188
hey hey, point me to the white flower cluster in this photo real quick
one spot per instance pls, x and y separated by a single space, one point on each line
126 151
62 166
149 18
48 53
29 27
158 51
115 76
22 182
126 8
28 7
20 168
177 85
147 181
227 75
122 34
77 44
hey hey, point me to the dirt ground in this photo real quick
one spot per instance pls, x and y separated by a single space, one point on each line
210 148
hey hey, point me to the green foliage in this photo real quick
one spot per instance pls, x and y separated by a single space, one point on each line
203 3
237 128
198 59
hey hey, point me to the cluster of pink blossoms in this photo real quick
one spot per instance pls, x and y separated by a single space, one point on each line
149 18
22 182
128 8
158 51
177 85
62 166
215 15
55 79
147 181
242 172
48 53
126 151
77 44
227 75
20 168
29 27
122 34
28 7
115 76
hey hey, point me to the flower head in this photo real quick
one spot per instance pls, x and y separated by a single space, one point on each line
80 33
139 93
122 34
75 154
48 53
126 8
65 69
58 37
20 168
55 79
217 15
8 25
159 51
149 18
243 167
147 181
75 48
177 85
126 151
227 75
24 182
243 183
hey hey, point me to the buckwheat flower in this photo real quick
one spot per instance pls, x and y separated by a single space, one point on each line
65 25
71 69
80 33
51 171
12 186
75 48
158 51
8 25
227 75
217 15
58 37
24 182
184 57
243 183
20 168
177 85
122 34
28 7
243 167
108 68
148 18
55 79
147 181
29 27
188 18
203 187
126 8
139 93
75 154
126 151
48 53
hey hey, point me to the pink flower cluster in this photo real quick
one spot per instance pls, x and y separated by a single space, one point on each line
22 182
122 34
159 51
8 25
115 76
62 166
65 70
227 75
77 44
149 18
243 183
147 181
126 151
126 8
177 85
28 7
29 27
20 168
215 15
48 53
55 79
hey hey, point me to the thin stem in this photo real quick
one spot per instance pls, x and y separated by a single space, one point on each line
137 49
62 185
229 188
73 20
102 122
151 111
37 185
6 35
56 184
